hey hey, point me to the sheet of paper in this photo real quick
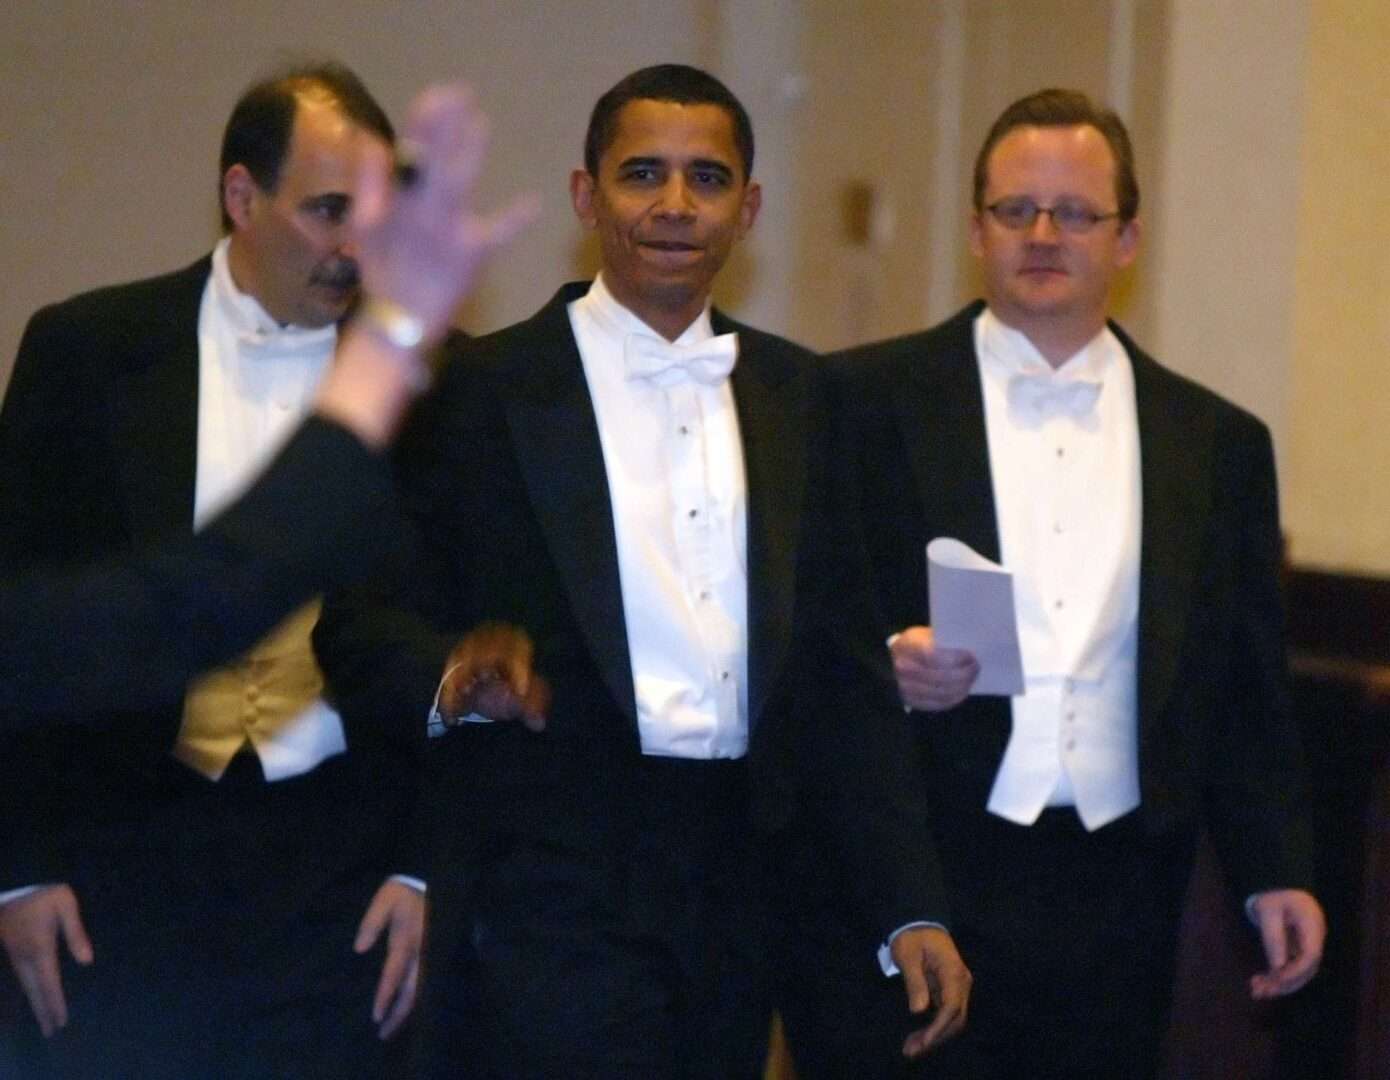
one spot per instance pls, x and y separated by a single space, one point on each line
972 607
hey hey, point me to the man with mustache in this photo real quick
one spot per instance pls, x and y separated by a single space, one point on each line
639 482
212 890
1137 513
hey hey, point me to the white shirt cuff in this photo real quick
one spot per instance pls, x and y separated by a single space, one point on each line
435 724
19 894
885 951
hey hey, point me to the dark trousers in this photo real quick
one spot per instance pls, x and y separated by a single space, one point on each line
646 960
1071 937
222 919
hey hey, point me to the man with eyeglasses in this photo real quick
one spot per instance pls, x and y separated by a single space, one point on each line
1137 514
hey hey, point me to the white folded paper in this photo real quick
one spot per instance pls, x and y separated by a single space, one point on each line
972 607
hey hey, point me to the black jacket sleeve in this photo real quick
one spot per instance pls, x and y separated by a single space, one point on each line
129 634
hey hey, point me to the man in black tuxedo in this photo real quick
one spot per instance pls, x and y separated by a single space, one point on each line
1137 513
130 633
208 867
638 481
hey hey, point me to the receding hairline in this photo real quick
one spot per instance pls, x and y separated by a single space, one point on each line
1077 126
310 90
315 97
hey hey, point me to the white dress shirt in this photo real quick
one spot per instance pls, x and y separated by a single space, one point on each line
674 461
1064 457
256 382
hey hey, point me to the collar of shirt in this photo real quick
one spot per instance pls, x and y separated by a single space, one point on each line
256 333
616 322
1034 388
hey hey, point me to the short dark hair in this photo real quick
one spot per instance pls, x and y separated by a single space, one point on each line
1065 108
258 131
680 83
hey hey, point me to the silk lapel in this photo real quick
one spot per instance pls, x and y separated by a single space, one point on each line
774 418
941 415
155 408
1175 448
557 443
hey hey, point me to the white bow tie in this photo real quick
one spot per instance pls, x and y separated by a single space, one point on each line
708 362
1042 396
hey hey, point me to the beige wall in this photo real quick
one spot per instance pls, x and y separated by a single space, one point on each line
1337 509
867 125
1221 249
1267 247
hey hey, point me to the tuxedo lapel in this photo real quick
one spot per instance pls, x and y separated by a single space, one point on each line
155 408
1175 465
941 415
773 415
555 434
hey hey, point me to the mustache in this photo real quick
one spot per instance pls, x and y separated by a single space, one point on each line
338 274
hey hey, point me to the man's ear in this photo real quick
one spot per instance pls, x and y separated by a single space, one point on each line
239 191
1128 247
752 203
977 230
582 195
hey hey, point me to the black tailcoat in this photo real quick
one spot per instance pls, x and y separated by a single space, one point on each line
98 445
503 474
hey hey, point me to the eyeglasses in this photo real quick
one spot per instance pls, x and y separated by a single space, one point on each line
1070 217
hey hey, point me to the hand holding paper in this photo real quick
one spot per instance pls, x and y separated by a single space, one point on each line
972 608
930 679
